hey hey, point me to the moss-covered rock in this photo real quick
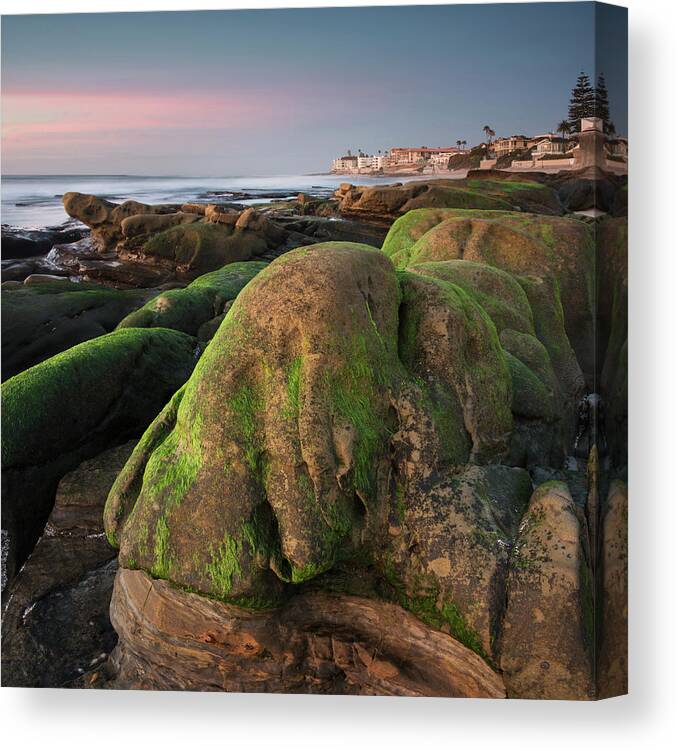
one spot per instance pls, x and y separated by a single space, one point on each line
202 300
272 463
201 247
41 320
75 405
261 469
482 194
496 291
559 253
450 345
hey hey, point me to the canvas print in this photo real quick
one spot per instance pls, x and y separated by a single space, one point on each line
314 351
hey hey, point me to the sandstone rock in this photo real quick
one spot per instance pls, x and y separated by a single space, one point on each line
55 623
612 665
142 224
553 258
198 248
195 208
483 194
189 308
548 634
221 215
448 562
40 320
316 643
472 391
105 218
72 407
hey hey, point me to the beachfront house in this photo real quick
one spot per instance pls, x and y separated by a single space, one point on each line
406 155
503 146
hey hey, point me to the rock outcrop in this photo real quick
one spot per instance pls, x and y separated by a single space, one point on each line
105 218
72 407
335 454
317 643
482 194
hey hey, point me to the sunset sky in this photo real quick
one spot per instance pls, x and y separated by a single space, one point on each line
282 92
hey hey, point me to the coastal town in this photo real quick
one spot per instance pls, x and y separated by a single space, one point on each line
551 151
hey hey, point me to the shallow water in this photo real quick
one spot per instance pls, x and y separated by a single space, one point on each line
35 202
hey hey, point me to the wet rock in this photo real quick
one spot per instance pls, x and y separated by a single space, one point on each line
55 623
48 316
27 243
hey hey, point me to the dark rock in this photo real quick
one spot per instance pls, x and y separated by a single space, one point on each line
27 243
55 624
72 407
47 317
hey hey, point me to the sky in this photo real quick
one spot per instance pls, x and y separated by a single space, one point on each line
230 93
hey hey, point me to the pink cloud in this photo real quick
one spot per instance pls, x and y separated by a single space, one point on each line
36 118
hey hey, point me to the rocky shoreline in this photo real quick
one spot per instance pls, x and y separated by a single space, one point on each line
330 444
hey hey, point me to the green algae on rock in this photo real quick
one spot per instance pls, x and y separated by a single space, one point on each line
202 300
203 247
73 406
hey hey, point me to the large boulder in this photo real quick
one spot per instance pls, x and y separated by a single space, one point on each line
547 638
73 406
340 438
55 625
42 319
201 301
270 454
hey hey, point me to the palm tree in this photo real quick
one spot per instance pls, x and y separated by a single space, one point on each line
564 128
488 132
464 144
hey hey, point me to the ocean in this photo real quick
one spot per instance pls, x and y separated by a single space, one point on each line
34 202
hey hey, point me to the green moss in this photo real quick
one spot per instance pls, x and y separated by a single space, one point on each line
354 395
246 405
162 562
189 308
224 565
294 388
41 417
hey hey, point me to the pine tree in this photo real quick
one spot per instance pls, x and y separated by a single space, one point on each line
602 101
582 103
